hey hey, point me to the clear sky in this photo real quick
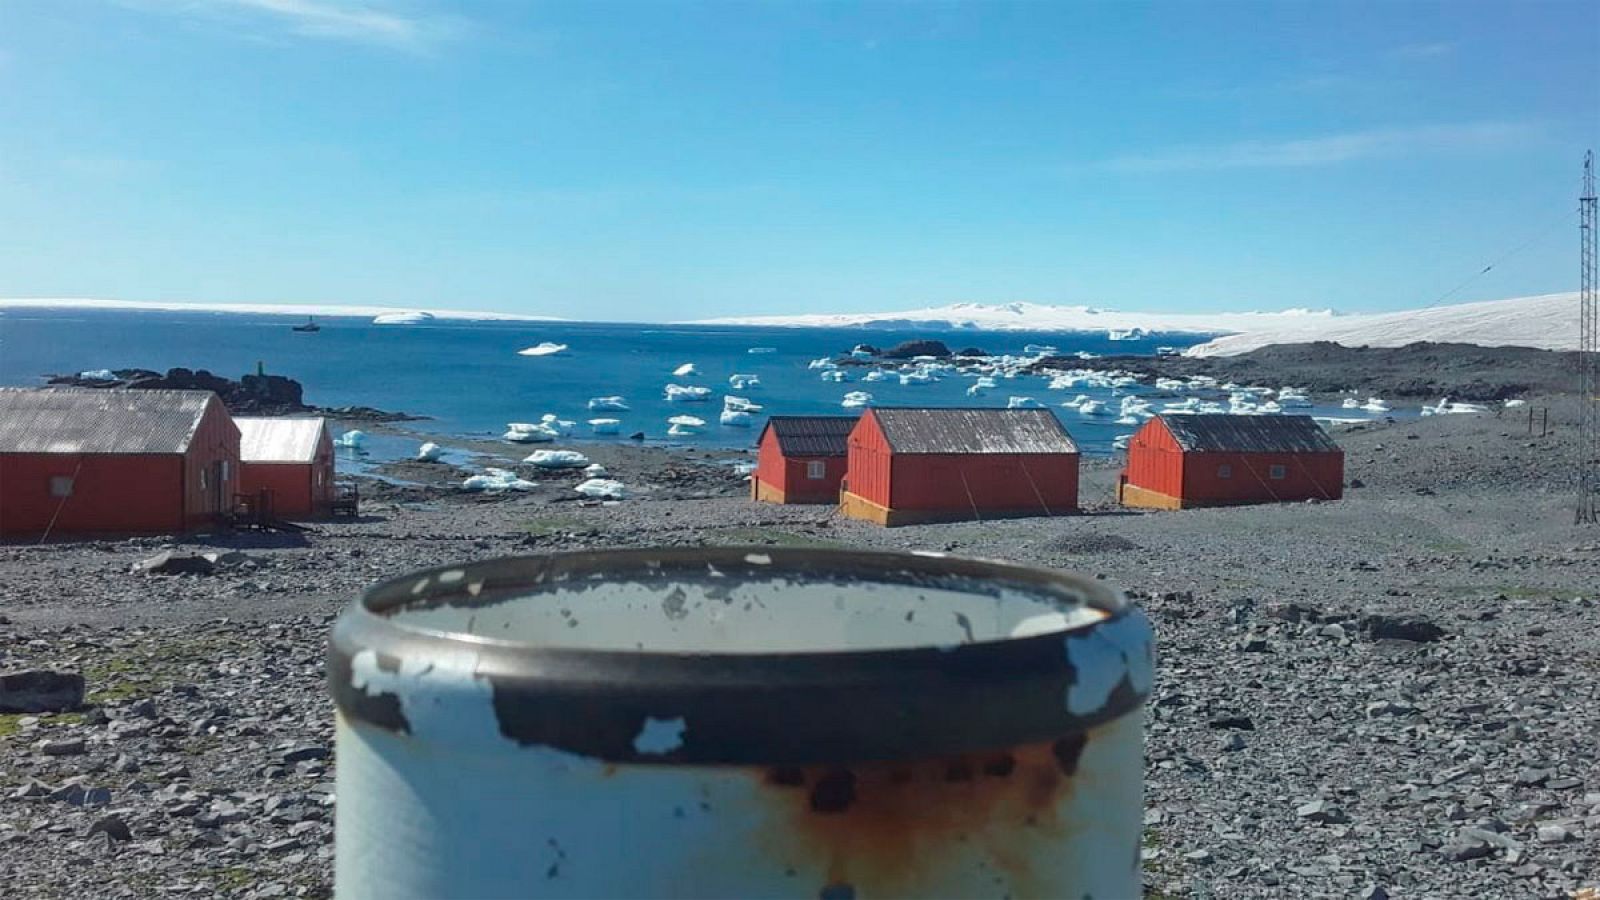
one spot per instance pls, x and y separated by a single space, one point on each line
662 160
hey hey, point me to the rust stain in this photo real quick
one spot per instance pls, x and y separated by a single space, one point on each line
885 828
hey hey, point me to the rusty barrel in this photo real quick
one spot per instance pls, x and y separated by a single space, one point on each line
739 722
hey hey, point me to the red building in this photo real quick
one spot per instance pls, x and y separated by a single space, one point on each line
801 459
291 460
927 465
1180 461
119 462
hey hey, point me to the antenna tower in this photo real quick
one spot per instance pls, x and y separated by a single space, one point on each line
1588 511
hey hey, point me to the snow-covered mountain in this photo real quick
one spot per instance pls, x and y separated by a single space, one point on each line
285 309
1039 317
1548 321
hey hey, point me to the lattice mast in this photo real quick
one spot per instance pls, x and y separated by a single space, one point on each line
1588 511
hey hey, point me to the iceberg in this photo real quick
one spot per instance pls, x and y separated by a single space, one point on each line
1121 441
99 375
594 470
835 375
1023 403
1129 334
686 370
429 452
608 403
1292 397
1039 350
1093 408
351 438
1514 402
560 426
601 488
402 318
683 426
736 418
743 382
916 377
496 480
876 375
1375 405
856 400
605 426
678 393
762 350
557 459
530 433
739 404
548 348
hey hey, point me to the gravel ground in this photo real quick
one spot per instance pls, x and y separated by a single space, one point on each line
1396 694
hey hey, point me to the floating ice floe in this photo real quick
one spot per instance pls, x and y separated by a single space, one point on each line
743 382
99 375
876 375
729 401
351 438
608 403
1513 403
1023 403
917 377
678 393
735 418
1375 405
402 318
601 488
1445 407
762 350
557 459
1131 334
1350 403
1121 441
686 370
1039 350
835 375
594 470
822 362
559 426
530 433
497 480
1269 408
1128 420
682 426
1093 408
856 400
429 452
1292 398
547 348
605 426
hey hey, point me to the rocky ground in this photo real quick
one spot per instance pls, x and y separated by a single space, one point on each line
1396 694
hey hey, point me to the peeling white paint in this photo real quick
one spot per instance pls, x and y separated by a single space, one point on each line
1111 651
660 736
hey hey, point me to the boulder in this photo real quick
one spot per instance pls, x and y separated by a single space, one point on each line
169 563
40 690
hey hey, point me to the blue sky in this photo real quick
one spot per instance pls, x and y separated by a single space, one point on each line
655 160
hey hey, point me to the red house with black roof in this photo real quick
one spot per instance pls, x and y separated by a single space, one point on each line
1182 461
801 459
930 465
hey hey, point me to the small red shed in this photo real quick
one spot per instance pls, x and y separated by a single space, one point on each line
76 461
801 459
927 465
291 460
1180 461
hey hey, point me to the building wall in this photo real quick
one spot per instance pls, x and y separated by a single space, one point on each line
802 489
1155 462
770 468
299 490
211 467
111 493
1046 482
1307 476
322 477
867 472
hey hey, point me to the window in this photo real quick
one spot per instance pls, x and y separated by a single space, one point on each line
61 485
1277 473
203 480
816 469
1224 471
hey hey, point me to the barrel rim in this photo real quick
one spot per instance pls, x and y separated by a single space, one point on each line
1007 690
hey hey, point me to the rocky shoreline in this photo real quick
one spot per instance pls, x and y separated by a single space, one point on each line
252 395
1392 695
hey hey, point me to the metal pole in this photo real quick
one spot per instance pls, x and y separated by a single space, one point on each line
1588 354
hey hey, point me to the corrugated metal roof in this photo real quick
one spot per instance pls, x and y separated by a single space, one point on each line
67 420
811 435
1211 432
278 440
974 431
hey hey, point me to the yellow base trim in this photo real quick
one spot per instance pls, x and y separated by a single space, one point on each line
762 492
1132 495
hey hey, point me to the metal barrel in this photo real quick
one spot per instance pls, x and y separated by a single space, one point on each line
739 722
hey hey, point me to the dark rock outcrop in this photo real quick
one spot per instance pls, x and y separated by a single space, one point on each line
909 349
40 690
252 395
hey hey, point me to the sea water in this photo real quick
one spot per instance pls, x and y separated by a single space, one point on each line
468 378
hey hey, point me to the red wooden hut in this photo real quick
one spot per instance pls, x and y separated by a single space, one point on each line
110 461
291 460
801 459
926 465
1179 461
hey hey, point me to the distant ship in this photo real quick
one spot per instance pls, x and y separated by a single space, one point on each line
310 326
